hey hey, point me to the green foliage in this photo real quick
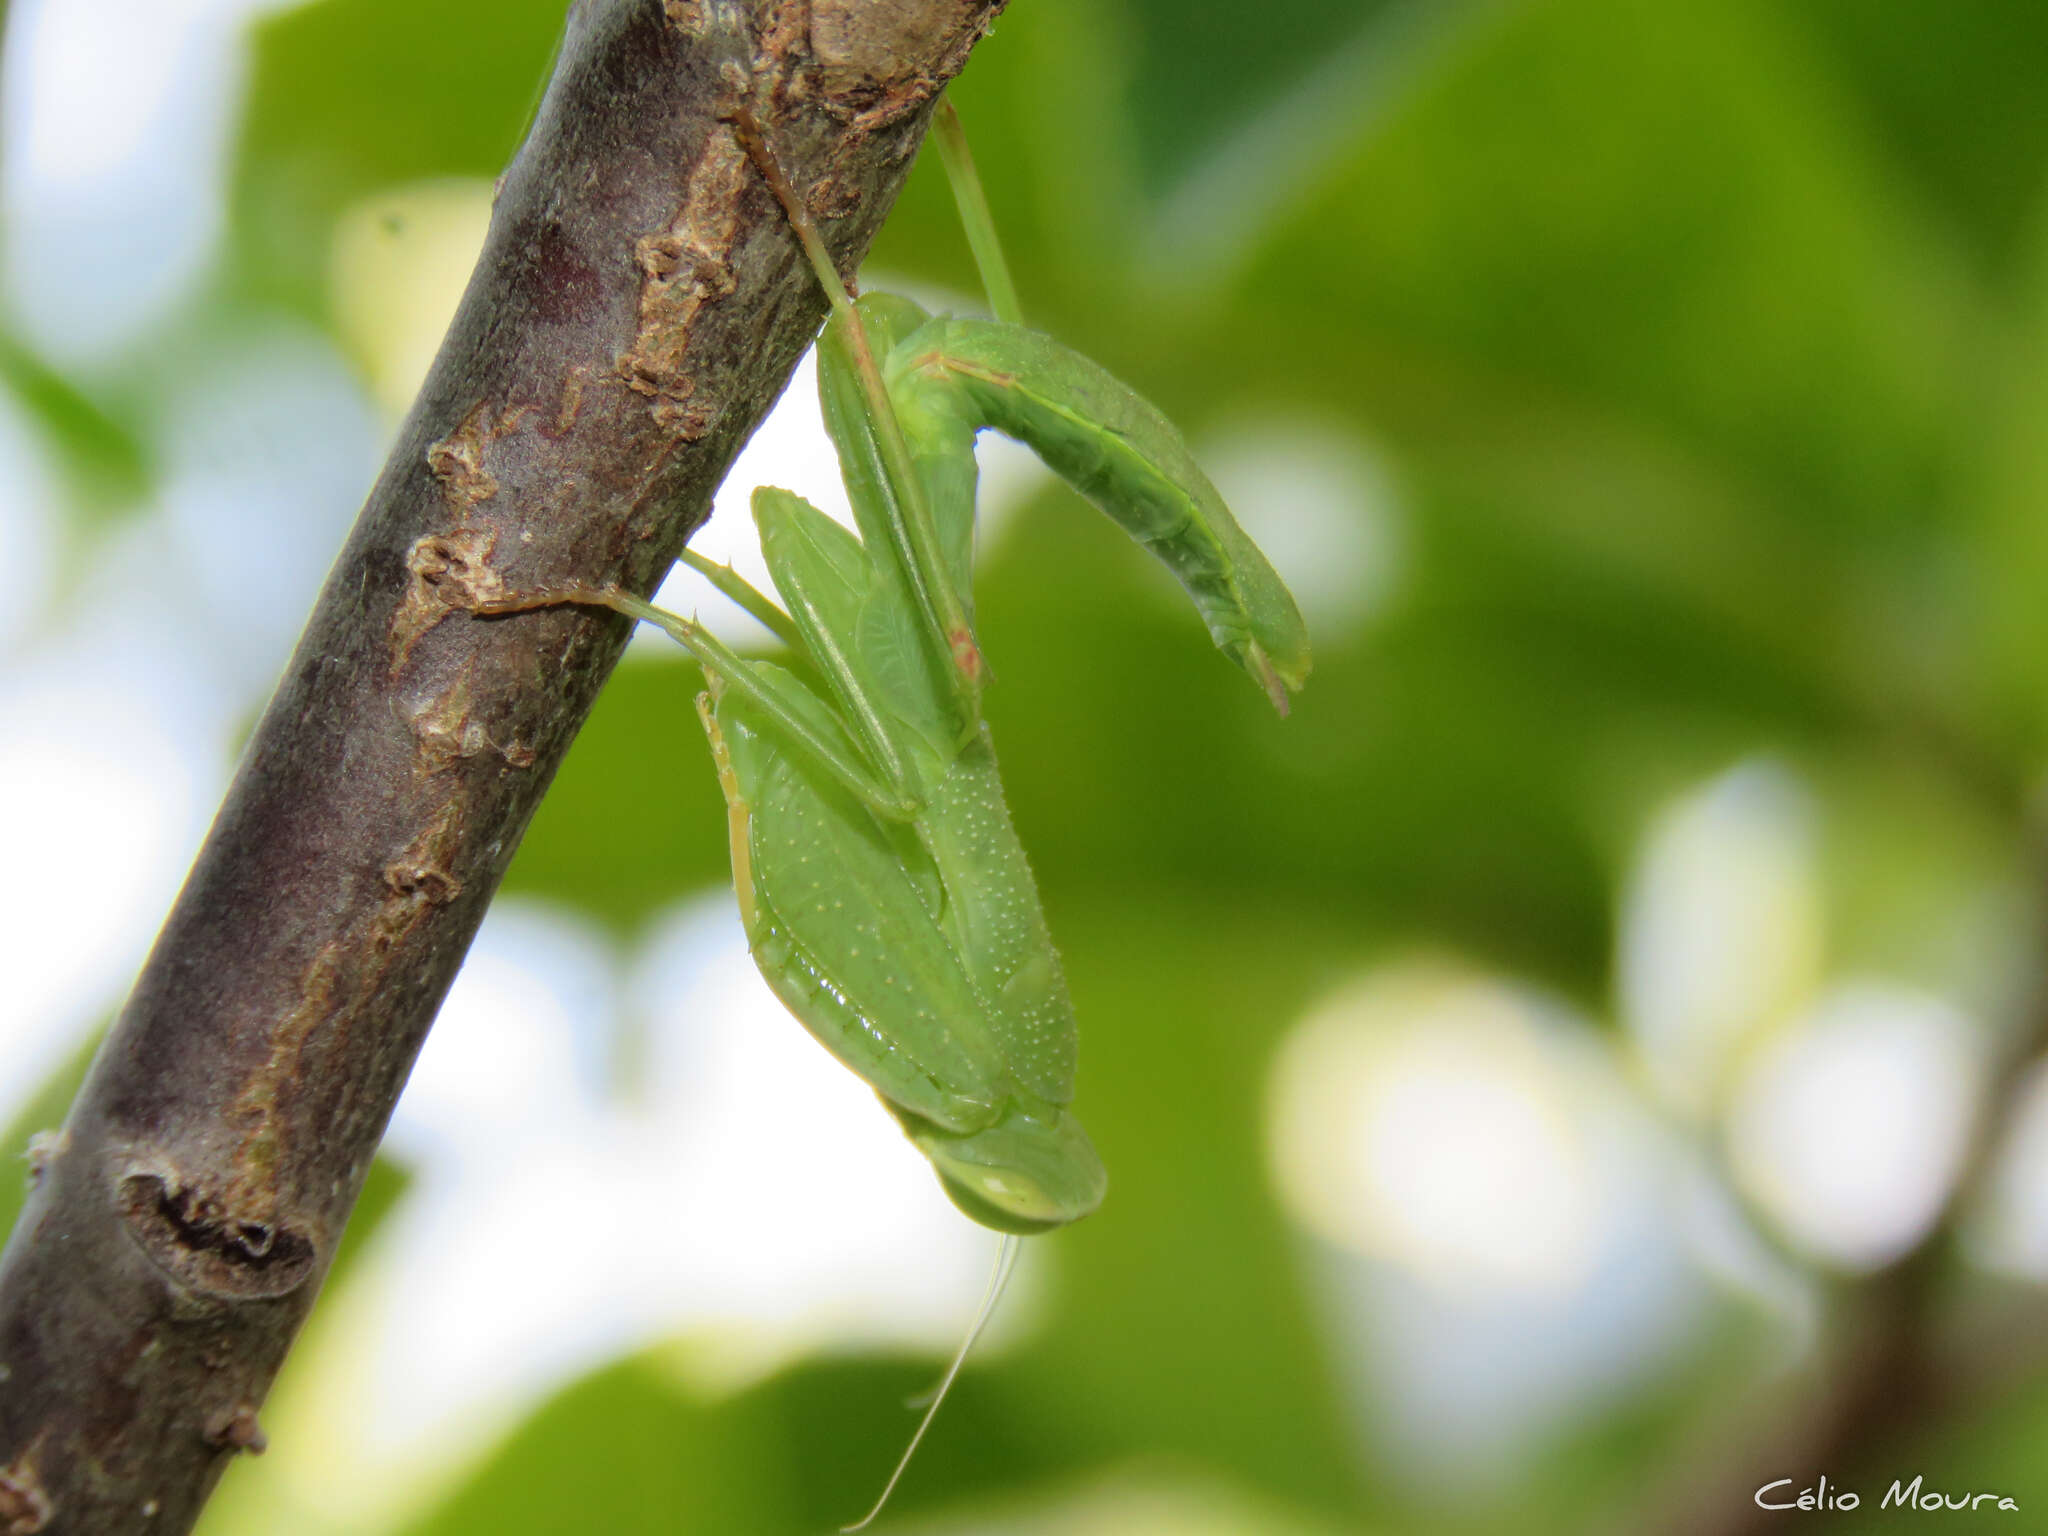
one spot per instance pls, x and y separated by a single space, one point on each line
353 95
627 1451
633 1448
107 465
1680 330
1701 348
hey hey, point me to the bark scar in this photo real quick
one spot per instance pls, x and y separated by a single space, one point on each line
236 1240
447 730
457 461
24 1507
420 878
683 268
450 572
214 1243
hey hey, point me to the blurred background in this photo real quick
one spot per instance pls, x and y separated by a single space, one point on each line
1590 1062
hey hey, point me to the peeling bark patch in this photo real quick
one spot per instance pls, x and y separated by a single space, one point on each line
682 270
421 873
457 461
875 57
686 16
261 1151
780 52
448 731
202 1240
832 198
236 1429
873 42
449 571
24 1507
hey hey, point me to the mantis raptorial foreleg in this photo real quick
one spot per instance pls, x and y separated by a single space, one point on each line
895 488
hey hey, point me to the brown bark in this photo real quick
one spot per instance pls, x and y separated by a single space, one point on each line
638 306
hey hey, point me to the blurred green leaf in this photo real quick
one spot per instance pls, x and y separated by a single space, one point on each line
107 464
1663 209
1700 344
626 1450
1197 81
634 820
347 96
1953 94
2002 572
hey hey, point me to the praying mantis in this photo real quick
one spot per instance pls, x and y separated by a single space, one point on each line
883 889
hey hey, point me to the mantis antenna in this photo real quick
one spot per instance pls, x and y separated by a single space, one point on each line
999 1277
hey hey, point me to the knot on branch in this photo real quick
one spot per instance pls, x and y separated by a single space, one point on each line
24 1507
880 60
236 1429
213 1249
44 1148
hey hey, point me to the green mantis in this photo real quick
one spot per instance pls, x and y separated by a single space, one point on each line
883 889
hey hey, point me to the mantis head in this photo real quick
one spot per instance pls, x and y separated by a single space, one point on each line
1033 1170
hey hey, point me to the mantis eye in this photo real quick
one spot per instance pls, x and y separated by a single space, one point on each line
1003 1203
1032 1170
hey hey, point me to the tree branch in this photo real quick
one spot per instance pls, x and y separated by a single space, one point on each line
638 306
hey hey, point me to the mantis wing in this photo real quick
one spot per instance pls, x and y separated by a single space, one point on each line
860 629
947 471
862 633
839 926
840 929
